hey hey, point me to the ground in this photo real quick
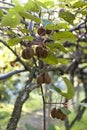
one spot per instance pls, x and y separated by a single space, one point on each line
35 119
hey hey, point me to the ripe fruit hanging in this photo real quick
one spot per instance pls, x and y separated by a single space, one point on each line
58 114
41 31
28 53
41 52
40 79
63 117
43 78
44 53
53 112
47 78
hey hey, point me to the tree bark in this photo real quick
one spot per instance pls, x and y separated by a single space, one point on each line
67 126
23 96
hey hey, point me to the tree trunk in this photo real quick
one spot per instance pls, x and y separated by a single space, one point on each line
23 96
67 126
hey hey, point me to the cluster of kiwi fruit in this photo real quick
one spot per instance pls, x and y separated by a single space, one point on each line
40 51
43 78
42 31
58 114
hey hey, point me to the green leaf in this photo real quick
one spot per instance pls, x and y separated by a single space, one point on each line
57 46
18 8
79 4
64 36
51 59
1 14
24 30
28 38
67 16
16 2
70 89
29 16
32 6
46 3
10 33
14 41
63 61
83 12
12 19
61 47
58 26
65 110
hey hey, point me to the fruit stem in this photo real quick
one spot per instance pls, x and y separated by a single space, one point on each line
44 109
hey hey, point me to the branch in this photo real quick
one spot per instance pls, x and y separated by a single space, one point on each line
5 76
79 114
23 96
3 2
79 26
2 7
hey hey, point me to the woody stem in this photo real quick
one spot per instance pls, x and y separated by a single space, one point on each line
44 110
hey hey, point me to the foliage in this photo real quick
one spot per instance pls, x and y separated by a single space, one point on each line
70 89
56 27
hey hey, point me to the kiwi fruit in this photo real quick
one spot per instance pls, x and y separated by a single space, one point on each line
39 51
41 31
47 78
53 111
44 53
60 115
28 53
43 78
64 116
40 79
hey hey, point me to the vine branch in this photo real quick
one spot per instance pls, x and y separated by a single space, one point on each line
5 76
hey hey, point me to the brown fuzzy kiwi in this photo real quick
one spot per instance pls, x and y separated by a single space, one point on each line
44 53
53 111
41 31
48 31
58 114
47 78
27 53
40 79
64 116
23 54
39 51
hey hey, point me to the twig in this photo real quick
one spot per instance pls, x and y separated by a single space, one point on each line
5 76
44 110
2 7
79 26
3 2
22 97
79 114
